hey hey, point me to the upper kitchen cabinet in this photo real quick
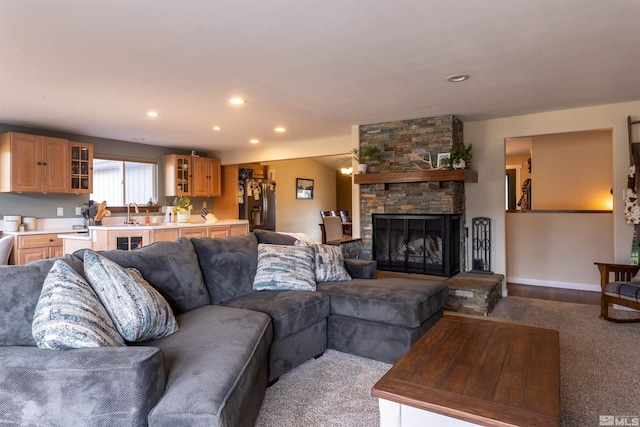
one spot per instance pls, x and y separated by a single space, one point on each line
191 176
33 163
177 175
81 168
206 177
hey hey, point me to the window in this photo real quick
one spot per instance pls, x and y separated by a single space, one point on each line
122 180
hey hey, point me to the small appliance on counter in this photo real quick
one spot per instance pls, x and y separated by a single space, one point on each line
30 223
12 222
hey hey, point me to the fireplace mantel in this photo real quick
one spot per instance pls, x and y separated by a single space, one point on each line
437 175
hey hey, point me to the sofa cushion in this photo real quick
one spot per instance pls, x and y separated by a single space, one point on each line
139 312
402 302
20 287
290 311
329 262
273 238
213 363
228 265
70 315
170 267
107 386
283 267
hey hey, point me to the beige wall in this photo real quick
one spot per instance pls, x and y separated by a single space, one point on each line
558 250
302 216
572 171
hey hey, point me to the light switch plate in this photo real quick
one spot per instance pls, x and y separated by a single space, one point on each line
60 211
78 210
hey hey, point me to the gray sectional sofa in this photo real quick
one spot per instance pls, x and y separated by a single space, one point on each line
232 341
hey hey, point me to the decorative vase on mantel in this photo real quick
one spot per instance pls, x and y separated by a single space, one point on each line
460 164
362 168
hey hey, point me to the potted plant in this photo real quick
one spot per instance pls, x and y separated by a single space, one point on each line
369 153
460 157
182 208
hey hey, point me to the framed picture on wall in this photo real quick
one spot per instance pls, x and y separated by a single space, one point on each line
441 157
304 188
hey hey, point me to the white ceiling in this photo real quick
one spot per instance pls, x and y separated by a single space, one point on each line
315 67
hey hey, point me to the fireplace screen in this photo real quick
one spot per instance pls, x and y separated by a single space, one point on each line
427 244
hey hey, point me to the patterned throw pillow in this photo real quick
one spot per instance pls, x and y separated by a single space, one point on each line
70 315
283 267
329 262
139 312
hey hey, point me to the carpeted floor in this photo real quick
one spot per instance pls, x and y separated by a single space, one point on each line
598 368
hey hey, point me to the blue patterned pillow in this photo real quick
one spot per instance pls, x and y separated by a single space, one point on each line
329 262
284 268
139 312
70 315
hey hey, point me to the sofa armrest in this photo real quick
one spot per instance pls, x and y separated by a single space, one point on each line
361 268
93 386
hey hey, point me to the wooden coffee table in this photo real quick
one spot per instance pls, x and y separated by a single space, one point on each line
468 371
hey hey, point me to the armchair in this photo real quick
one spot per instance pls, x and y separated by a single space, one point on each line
621 290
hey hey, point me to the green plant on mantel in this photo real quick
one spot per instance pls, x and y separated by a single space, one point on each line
369 153
459 154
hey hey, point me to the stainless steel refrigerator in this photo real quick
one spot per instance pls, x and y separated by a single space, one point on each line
257 203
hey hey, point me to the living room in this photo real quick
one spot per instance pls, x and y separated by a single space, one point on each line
92 89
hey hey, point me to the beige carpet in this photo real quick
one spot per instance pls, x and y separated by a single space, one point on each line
599 372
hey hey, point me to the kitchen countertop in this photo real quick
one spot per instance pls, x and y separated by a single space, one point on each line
159 226
48 231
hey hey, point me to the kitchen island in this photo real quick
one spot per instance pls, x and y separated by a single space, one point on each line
126 237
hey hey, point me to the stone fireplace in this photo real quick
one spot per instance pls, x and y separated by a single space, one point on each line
404 144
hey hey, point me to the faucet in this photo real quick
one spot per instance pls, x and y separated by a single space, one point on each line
129 222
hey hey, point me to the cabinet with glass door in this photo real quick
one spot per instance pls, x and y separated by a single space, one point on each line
81 168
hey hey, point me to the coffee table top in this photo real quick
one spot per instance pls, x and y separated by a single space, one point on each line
480 371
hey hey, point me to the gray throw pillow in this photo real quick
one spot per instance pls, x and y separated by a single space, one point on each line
273 238
70 315
139 312
329 262
283 267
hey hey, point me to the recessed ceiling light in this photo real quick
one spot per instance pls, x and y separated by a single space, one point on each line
237 101
217 128
455 78
280 129
254 141
152 114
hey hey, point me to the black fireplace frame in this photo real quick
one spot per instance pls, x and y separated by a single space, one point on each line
447 225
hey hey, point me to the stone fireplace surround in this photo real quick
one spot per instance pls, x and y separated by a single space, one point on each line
400 142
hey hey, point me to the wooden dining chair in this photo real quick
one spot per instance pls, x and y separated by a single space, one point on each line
325 214
332 228
346 222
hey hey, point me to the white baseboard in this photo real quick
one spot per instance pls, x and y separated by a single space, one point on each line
554 284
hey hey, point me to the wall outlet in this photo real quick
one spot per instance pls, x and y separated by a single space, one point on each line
60 211
78 210
204 205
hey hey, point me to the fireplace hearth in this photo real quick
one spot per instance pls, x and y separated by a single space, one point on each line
416 243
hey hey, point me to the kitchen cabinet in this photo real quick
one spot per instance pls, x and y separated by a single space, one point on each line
238 229
37 246
194 232
33 163
81 168
220 232
191 176
177 175
106 240
206 177
226 206
164 234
